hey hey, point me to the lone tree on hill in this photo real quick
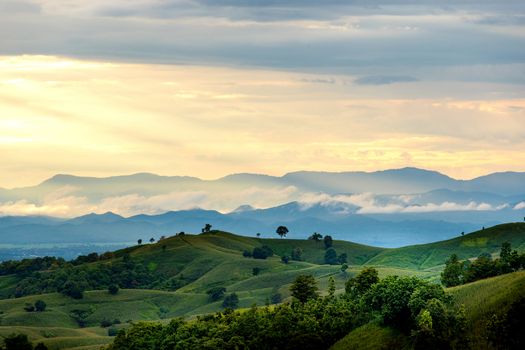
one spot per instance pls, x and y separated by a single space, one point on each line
151 240
231 301
316 237
139 241
40 306
207 228
282 231
304 288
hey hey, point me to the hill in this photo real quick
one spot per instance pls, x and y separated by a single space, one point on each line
471 245
481 299
190 265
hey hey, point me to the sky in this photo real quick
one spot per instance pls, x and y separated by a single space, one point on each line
209 88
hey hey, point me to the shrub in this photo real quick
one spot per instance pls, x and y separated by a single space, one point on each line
231 301
113 289
40 305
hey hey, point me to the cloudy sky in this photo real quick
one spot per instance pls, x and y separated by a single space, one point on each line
207 88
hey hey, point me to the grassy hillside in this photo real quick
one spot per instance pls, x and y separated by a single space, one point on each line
215 259
481 299
430 255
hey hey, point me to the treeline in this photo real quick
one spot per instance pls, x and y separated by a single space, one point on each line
27 266
417 308
75 277
459 272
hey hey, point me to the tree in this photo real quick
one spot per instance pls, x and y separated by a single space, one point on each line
40 305
258 235
328 242
17 342
453 274
304 288
247 254
330 257
207 228
151 240
262 252
342 259
285 259
41 346
216 293
315 237
331 287
282 231
506 251
73 290
256 271
231 301
361 283
276 298
344 267
297 253
139 241
113 289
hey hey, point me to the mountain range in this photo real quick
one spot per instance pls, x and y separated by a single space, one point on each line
388 208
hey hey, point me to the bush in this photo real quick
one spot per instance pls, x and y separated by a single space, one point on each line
105 323
256 271
262 252
216 293
330 256
112 331
231 301
113 289
17 342
40 305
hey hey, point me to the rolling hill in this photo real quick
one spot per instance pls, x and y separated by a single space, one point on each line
215 259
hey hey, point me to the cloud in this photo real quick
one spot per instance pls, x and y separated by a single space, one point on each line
368 203
520 205
384 79
63 203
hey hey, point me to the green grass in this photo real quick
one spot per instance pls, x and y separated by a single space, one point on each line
427 256
486 297
373 337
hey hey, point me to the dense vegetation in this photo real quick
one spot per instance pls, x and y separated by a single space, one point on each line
458 272
416 307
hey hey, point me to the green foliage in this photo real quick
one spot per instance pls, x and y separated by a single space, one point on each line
316 237
216 293
256 271
17 342
342 258
314 325
41 346
506 331
361 283
328 242
113 289
304 288
457 272
282 231
231 301
262 252
40 305
330 256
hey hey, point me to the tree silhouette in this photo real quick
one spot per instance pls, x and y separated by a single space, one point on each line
139 241
328 242
151 240
316 236
282 231
207 228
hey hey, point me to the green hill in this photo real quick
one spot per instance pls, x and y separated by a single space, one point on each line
196 263
426 256
481 299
